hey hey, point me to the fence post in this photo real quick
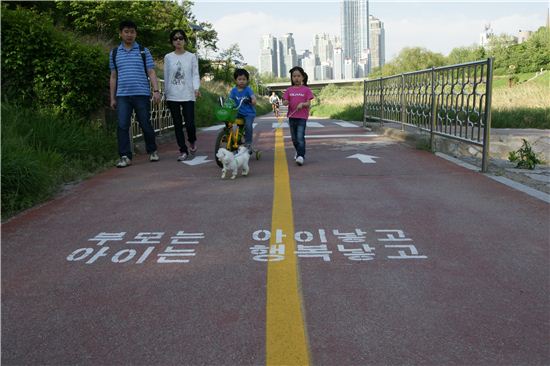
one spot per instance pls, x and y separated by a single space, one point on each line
381 101
364 103
486 130
403 114
433 117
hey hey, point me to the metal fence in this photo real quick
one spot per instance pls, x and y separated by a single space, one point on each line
161 119
452 101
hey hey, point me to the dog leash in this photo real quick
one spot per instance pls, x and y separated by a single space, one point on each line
280 120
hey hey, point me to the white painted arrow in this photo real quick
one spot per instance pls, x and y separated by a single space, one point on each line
368 159
197 160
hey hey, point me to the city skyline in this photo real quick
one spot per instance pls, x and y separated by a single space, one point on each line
439 27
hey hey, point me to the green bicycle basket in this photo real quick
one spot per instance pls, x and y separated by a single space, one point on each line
227 112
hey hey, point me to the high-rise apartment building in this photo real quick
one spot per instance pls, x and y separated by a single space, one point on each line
338 64
268 55
355 28
277 56
377 42
288 57
308 64
323 45
349 68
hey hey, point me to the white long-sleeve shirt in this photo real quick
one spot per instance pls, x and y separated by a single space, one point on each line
181 76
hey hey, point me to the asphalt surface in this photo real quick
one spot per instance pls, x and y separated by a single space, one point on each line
403 259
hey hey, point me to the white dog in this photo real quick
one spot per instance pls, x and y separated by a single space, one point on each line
233 162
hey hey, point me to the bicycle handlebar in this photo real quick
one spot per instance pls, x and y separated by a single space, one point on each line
237 107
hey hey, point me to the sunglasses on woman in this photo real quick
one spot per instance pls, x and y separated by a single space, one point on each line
180 38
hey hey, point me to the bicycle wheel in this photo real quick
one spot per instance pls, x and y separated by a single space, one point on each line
221 141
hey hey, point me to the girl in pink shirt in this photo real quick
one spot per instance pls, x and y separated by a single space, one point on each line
298 99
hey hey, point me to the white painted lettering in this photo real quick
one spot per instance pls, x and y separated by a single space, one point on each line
261 235
116 258
101 253
73 256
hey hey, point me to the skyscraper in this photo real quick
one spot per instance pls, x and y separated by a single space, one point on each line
268 55
323 46
288 57
354 21
338 64
308 64
377 42
277 56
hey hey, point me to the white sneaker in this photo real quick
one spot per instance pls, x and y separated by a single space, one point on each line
182 157
123 162
300 160
154 156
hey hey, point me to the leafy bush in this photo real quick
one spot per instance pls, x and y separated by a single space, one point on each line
524 156
46 67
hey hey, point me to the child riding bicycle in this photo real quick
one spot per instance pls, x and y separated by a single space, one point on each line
274 100
243 96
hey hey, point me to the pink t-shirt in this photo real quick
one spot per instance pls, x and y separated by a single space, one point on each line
296 95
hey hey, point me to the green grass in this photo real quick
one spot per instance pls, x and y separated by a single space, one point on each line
502 81
41 151
524 117
343 112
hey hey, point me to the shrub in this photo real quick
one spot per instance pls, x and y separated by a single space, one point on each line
524 156
46 67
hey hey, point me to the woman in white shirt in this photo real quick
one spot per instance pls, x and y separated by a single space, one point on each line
181 88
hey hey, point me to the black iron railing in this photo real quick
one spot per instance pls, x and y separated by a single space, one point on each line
452 101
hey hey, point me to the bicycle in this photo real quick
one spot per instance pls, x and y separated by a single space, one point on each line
232 135
276 110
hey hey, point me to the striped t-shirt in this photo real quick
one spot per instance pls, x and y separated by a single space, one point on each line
131 78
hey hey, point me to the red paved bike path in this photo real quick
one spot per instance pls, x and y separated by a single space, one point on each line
481 297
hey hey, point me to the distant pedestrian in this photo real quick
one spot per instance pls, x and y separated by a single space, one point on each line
298 99
243 93
131 68
181 88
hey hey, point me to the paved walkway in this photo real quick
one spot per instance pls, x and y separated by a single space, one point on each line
372 253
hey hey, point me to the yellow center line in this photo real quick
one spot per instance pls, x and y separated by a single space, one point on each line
286 339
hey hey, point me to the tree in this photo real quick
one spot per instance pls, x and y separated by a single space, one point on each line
413 59
228 60
155 19
537 51
465 54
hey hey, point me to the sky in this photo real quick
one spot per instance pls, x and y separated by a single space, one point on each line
438 25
